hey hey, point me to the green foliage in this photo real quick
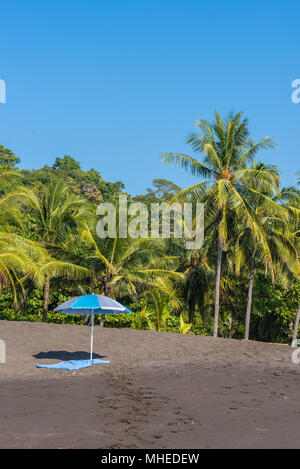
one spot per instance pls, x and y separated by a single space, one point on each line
141 319
47 235
8 159
202 326
183 327
117 320
88 184
163 190
274 310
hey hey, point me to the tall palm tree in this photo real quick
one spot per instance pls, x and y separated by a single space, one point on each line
269 239
226 150
52 214
273 246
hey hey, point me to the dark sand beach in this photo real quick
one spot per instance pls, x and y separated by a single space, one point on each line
160 390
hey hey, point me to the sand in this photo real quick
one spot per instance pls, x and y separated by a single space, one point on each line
161 390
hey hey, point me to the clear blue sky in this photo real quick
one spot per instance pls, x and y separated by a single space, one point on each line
116 84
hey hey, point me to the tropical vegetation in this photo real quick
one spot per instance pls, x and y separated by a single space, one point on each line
243 283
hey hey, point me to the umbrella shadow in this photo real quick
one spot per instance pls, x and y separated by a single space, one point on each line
66 356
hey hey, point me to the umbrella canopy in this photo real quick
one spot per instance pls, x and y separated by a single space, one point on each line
91 304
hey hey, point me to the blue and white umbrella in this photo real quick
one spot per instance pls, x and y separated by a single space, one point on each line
91 304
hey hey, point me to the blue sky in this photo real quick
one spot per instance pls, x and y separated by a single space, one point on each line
116 84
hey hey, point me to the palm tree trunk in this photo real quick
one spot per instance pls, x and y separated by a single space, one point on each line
102 320
217 294
296 328
250 292
46 300
191 310
233 310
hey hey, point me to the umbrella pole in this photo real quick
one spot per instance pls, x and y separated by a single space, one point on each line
92 338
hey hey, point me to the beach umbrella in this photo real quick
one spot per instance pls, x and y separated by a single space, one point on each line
91 304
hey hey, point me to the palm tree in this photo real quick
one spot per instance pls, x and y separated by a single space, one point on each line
272 245
22 259
270 237
226 149
196 281
162 298
54 269
118 265
51 215
196 272
19 257
19 260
